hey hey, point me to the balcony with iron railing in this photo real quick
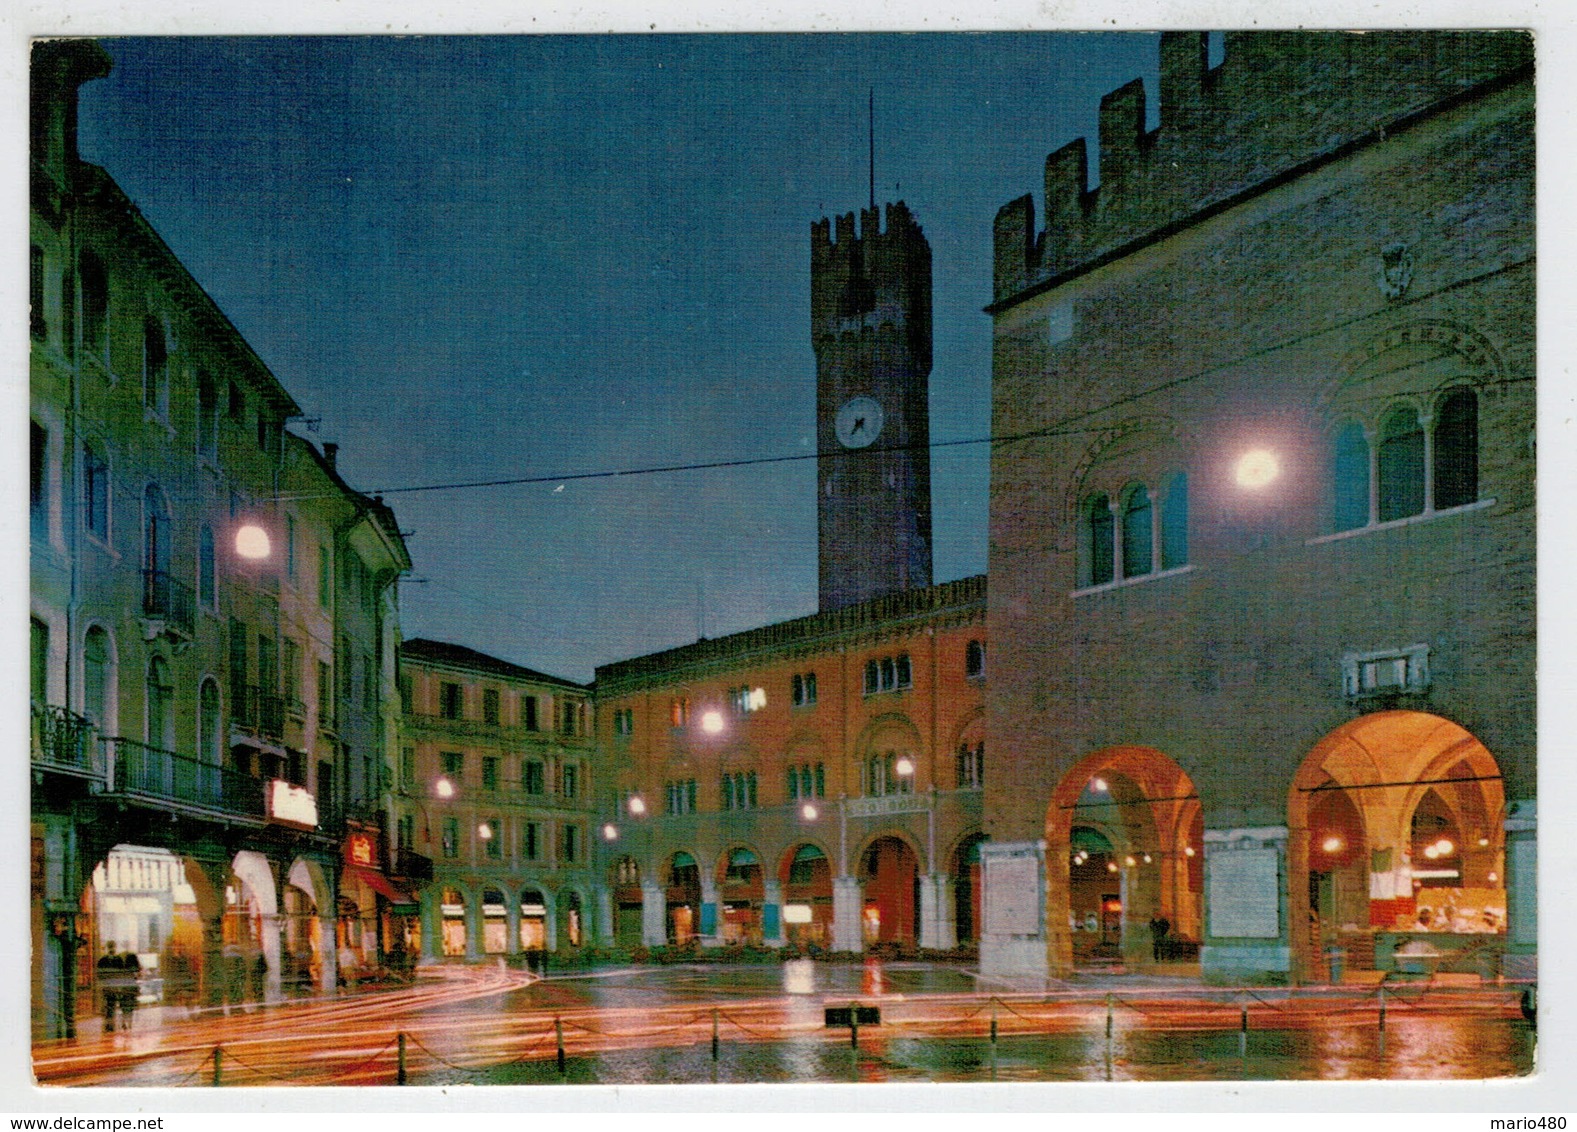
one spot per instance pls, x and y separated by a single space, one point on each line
64 741
168 600
136 770
258 710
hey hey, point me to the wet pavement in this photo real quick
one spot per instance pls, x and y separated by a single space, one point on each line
706 1022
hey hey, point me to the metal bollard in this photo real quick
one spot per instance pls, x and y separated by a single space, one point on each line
714 1033
218 1066
1243 1033
1382 1010
854 1028
558 1030
399 1076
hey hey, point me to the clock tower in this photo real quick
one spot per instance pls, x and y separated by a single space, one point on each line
870 320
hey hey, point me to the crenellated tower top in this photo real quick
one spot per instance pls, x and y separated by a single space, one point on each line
1278 103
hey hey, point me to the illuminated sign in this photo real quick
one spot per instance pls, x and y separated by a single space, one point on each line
360 849
796 913
289 804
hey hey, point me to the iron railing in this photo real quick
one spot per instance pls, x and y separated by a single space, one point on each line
62 738
148 772
165 597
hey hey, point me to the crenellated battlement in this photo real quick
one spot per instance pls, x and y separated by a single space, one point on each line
1277 102
877 270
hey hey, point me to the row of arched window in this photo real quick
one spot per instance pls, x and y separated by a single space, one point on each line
1124 539
1414 465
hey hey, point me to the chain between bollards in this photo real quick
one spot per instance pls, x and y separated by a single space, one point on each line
218 1066
399 1078
558 1030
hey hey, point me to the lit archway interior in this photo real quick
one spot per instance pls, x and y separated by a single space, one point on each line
1396 844
806 878
890 871
740 894
1124 862
683 888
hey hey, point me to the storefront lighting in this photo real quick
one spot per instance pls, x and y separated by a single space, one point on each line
443 788
1129 861
1445 846
1432 852
1256 469
1483 843
1147 859
1332 844
1099 785
251 542
1188 850
712 722
1492 877
484 831
1111 866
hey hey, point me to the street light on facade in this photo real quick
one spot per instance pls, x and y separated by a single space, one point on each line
443 788
1256 468
712 722
251 542
809 811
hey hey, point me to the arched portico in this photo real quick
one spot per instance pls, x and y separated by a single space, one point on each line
1124 835
741 895
805 881
1396 841
890 867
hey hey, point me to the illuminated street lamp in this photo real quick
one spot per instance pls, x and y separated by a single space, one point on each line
1099 785
904 766
1256 468
610 832
251 542
809 811
443 788
712 722
637 805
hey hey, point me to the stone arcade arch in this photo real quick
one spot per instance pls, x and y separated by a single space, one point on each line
805 878
1396 842
741 895
890 868
1131 815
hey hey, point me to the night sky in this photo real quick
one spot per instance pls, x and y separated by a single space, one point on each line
475 258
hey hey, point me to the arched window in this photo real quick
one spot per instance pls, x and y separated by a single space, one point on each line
156 589
207 572
1138 533
97 677
1456 450
160 698
155 366
95 305
207 415
1401 465
1174 522
1350 468
1096 532
208 746
975 659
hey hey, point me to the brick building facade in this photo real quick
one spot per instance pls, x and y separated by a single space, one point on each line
1262 555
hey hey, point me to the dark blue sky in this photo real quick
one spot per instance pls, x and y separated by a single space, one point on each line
478 257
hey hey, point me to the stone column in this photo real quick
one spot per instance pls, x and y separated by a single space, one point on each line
474 922
938 931
1246 938
772 913
654 915
848 906
1522 875
607 930
431 904
711 914
511 923
328 951
272 926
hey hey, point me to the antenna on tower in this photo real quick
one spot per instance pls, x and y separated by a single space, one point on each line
871 133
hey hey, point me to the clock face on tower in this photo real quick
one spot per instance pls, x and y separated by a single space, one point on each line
859 422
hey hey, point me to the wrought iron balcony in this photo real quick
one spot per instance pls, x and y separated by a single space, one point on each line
140 771
168 600
64 740
258 710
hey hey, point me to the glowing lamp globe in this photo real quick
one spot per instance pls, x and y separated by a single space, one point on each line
1257 468
712 722
251 541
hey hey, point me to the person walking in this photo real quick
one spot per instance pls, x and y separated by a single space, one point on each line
1159 927
109 972
130 987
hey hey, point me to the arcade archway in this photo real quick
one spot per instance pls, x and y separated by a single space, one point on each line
682 895
1396 850
890 881
1124 862
741 894
806 876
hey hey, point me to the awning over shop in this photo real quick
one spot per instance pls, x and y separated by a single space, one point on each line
380 884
